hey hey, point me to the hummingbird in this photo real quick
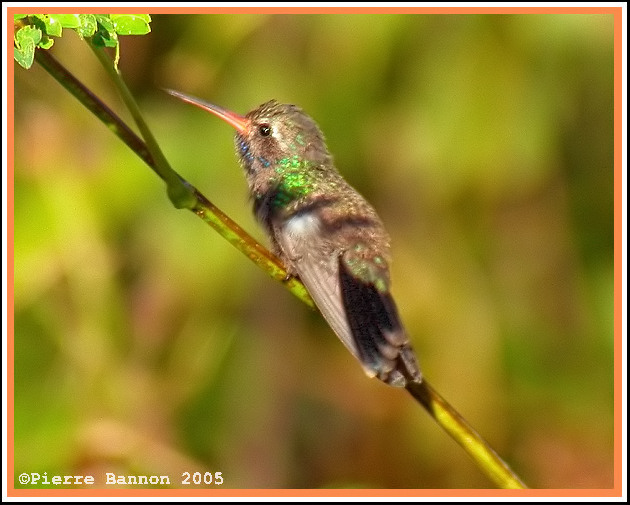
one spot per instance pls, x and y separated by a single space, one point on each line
324 232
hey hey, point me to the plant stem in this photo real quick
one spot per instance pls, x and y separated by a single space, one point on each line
458 428
443 413
180 193
94 105
207 211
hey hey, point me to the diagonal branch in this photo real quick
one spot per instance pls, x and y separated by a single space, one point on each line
207 211
437 407
465 435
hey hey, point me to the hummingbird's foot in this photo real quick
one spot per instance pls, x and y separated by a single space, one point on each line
289 263
290 276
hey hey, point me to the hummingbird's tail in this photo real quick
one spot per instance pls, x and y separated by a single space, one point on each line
351 290
381 341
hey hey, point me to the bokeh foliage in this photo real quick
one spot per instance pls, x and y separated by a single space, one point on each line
146 344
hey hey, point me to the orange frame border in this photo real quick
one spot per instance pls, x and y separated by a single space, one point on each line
616 491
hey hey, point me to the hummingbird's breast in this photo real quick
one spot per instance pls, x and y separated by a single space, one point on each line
333 222
313 203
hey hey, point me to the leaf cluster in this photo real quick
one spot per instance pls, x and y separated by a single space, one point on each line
33 31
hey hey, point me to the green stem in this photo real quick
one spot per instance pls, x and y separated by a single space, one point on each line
181 194
443 413
211 214
94 105
458 428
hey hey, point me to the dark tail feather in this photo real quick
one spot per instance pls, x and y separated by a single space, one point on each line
379 336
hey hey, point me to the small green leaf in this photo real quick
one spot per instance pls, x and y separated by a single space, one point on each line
105 22
106 39
19 16
67 20
117 57
87 25
38 21
25 40
105 35
131 24
26 35
46 42
53 27
25 55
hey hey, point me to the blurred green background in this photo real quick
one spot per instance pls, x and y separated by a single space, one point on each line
146 344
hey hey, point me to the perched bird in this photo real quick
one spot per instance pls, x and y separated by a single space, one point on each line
324 231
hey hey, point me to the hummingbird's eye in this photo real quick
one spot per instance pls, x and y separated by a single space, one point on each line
264 129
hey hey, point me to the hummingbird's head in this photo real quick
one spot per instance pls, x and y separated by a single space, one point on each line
270 134
275 131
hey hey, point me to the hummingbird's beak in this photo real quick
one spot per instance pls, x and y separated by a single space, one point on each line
236 120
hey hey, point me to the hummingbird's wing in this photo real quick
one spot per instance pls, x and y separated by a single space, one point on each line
364 318
373 319
320 274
